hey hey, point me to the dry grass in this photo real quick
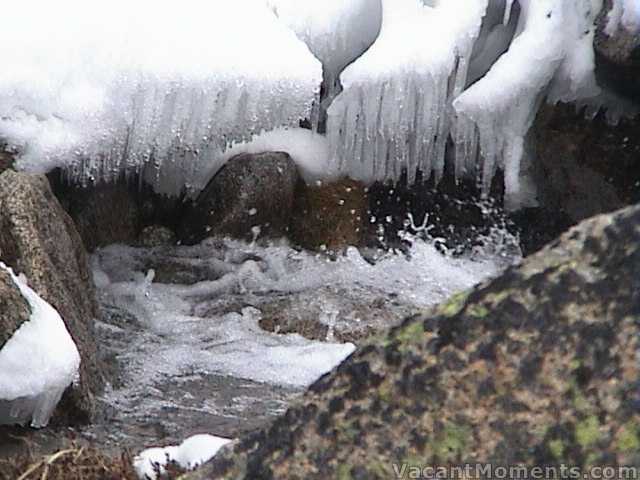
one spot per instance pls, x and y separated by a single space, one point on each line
73 463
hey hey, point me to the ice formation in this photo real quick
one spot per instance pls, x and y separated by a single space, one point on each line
437 72
146 83
393 114
189 454
426 82
37 363
336 31
552 53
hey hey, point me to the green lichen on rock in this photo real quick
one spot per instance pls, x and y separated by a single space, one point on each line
629 438
452 442
588 431
536 367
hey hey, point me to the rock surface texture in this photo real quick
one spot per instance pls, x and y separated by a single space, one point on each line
538 366
330 217
14 309
585 167
104 214
252 195
39 239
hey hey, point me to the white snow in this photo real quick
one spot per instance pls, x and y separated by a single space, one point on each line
97 87
336 31
194 451
309 150
37 363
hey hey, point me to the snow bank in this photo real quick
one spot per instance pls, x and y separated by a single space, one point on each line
191 453
309 150
37 364
100 87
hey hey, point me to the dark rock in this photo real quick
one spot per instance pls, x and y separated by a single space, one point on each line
556 340
6 160
104 214
39 239
617 57
585 167
330 217
252 195
14 309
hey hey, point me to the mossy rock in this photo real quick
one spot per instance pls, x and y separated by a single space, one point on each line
537 367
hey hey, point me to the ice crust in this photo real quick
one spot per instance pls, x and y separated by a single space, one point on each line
37 363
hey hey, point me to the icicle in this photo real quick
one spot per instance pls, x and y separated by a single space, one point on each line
409 77
507 11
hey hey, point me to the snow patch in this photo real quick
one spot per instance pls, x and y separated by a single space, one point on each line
37 363
309 150
191 453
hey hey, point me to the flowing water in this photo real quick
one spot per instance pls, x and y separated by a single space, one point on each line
211 338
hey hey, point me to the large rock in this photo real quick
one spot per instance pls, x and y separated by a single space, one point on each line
585 167
252 195
617 57
330 217
14 309
539 366
39 239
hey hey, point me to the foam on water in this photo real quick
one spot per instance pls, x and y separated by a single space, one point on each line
180 333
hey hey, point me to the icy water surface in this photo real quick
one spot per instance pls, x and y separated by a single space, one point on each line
183 327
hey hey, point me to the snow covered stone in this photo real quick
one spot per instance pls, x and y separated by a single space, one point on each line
137 86
194 451
37 363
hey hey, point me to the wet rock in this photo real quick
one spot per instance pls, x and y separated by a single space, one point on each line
252 195
157 236
332 315
452 215
104 214
330 217
585 167
14 309
617 57
536 367
39 239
